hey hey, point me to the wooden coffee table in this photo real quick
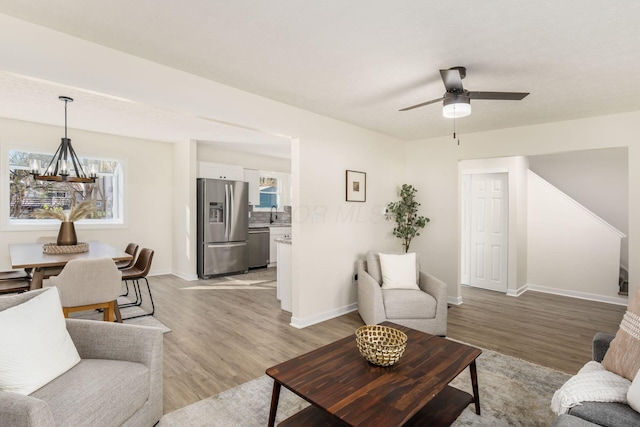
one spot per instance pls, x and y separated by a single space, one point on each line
344 389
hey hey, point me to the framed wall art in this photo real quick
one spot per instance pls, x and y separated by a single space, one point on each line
356 186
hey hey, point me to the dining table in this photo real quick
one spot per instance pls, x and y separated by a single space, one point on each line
31 257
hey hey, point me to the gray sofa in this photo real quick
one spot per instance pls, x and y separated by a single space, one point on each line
117 382
600 413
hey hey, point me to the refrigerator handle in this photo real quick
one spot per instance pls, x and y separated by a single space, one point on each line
226 212
231 211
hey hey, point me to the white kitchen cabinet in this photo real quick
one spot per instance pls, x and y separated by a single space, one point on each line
220 171
252 176
276 233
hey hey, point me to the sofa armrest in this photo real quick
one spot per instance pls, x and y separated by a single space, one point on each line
370 303
601 342
116 341
18 410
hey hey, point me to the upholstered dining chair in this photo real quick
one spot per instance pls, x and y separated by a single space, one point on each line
132 249
88 284
14 281
421 305
136 273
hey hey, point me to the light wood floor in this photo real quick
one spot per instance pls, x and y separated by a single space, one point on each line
223 336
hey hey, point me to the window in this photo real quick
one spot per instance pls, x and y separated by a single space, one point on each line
27 195
270 192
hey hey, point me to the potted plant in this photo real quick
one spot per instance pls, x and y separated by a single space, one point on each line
405 213
67 233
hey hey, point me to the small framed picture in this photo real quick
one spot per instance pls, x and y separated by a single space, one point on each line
356 186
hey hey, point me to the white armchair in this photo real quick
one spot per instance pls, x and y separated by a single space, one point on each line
424 309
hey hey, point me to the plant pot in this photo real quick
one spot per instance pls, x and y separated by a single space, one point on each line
67 234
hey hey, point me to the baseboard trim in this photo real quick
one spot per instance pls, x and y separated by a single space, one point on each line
580 295
185 276
521 290
159 272
302 323
454 300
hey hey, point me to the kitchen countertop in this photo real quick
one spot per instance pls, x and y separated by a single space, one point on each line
285 240
266 224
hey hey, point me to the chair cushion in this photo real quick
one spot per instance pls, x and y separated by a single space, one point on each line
408 304
607 414
398 271
97 392
374 269
622 356
35 346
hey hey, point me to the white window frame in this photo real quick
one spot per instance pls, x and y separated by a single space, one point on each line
282 184
8 224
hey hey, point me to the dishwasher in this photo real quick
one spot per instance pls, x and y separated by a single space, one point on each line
258 247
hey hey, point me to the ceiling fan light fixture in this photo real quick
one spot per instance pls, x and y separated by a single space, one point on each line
456 108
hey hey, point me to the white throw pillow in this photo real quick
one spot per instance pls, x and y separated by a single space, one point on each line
399 271
35 347
633 394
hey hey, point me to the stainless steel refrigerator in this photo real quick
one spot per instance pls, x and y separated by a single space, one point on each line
223 227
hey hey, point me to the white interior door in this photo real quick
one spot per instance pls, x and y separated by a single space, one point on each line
488 237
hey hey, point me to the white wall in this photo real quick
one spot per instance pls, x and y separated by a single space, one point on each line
184 237
571 250
330 233
148 195
432 166
597 179
209 153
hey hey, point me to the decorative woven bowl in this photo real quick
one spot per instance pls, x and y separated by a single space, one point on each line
54 249
381 345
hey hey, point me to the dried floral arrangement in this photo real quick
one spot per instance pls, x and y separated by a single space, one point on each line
79 211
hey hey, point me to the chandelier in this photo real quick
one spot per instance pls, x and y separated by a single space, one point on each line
64 161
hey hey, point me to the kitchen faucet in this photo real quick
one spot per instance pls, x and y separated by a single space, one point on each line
271 215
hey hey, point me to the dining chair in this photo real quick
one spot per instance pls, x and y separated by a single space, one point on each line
136 273
132 249
88 284
14 281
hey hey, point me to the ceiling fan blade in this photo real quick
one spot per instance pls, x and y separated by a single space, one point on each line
433 101
509 96
452 80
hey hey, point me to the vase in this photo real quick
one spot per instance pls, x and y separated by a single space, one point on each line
67 234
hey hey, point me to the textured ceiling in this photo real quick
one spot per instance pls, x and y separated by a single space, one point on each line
360 61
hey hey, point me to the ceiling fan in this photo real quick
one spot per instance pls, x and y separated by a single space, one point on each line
457 100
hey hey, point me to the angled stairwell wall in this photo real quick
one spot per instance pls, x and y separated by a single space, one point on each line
571 251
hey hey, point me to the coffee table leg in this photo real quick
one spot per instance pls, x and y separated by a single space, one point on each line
474 384
275 396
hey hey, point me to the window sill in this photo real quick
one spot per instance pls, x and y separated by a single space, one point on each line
256 209
46 225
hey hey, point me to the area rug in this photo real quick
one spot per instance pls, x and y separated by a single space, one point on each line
513 392
125 312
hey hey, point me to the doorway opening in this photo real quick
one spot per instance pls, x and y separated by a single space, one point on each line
485 230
